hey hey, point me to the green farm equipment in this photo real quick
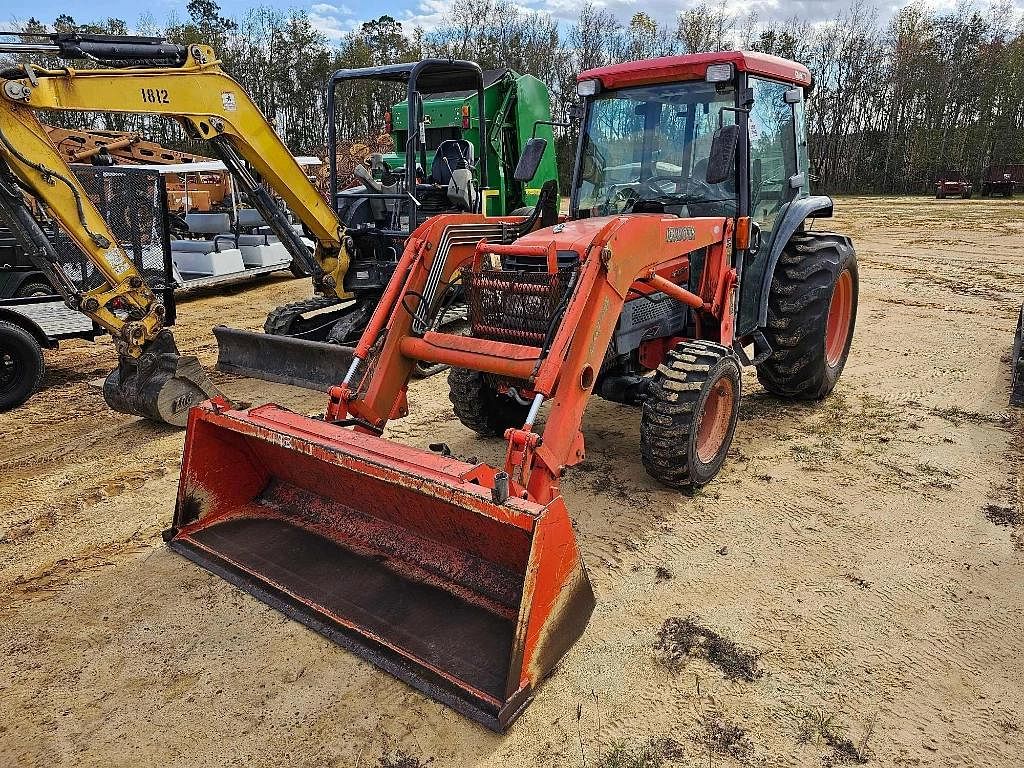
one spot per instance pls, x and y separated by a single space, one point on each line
456 151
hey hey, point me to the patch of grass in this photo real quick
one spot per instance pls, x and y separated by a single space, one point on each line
650 754
819 727
682 639
723 737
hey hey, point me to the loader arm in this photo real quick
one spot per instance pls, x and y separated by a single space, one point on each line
213 107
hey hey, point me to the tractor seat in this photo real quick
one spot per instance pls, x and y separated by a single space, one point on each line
452 171
451 155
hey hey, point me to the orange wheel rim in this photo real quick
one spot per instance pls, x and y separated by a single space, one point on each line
715 420
840 311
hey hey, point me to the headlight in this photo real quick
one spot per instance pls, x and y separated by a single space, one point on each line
718 73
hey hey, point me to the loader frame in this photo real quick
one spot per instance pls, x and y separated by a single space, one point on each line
625 257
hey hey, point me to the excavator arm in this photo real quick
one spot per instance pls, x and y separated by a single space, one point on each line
213 107
152 379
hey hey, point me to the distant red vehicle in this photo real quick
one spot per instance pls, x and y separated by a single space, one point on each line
953 185
1003 180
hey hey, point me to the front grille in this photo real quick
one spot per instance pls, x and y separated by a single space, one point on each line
515 307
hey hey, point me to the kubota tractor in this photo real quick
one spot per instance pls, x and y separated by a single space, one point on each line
688 253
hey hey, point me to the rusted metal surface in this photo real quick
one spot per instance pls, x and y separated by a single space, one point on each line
399 550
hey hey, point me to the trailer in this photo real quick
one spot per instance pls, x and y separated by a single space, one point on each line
27 327
1003 180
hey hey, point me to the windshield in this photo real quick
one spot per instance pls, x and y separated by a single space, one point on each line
647 148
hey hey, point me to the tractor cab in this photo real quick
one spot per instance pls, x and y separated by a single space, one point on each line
712 135
434 171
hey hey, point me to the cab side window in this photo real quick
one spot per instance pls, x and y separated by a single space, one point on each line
771 127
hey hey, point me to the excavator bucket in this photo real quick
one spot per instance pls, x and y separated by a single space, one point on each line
161 384
397 554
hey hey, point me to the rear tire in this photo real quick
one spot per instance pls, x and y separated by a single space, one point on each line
479 406
1017 363
689 417
812 310
21 365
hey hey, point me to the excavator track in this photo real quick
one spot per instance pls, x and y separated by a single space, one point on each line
281 319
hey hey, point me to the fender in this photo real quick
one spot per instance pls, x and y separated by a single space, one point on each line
757 278
20 320
18 278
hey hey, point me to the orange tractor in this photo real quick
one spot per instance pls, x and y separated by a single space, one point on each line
686 255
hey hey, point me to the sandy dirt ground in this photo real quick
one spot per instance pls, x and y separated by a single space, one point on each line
850 589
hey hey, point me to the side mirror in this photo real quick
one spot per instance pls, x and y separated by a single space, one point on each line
529 161
723 154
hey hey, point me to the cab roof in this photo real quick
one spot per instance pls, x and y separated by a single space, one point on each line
669 69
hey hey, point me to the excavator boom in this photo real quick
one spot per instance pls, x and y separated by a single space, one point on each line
185 83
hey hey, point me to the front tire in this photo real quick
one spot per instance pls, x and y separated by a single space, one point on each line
812 310
479 406
689 417
21 365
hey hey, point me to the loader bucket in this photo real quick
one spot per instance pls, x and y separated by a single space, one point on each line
392 552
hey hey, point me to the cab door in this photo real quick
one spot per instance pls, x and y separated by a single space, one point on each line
777 172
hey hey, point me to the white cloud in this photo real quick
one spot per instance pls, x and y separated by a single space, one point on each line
333 20
326 9
428 15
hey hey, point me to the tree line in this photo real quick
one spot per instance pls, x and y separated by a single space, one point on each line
895 104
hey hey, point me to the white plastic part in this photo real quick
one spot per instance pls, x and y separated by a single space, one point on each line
719 73
225 262
588 87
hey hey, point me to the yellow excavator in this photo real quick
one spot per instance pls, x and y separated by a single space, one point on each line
146 76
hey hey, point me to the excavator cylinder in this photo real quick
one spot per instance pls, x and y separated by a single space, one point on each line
420 563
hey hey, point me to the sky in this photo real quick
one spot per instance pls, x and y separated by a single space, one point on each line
335 17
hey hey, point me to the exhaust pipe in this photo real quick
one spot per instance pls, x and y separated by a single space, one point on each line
402 556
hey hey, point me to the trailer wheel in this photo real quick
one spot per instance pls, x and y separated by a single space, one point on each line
812 310
689 417
21 365
34 288
480 406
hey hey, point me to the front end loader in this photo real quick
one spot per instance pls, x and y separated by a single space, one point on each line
687 254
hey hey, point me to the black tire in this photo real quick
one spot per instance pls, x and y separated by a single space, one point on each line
1017 363
805 282
34 288
524 211
479 406
673 447
940 195
966 195
21 365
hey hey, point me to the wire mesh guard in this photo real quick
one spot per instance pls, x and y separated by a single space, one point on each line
131 201
515 307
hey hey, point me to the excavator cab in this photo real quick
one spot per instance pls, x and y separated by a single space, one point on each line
432 171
